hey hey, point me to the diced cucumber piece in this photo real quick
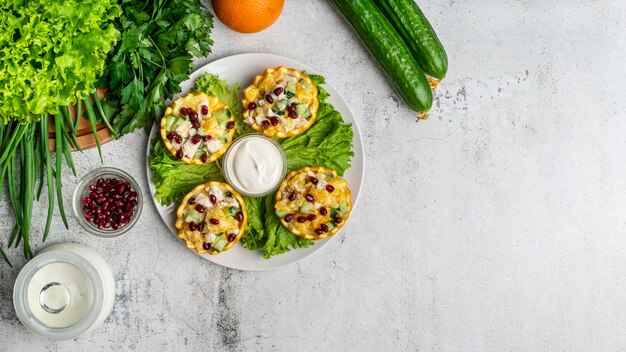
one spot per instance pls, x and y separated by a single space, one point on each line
343 208
219 243
303 111
304 208
202 132
178 123
331 225
169 121
224 139
228 194
193 215
305 83
199 153
222 116
290 89
281 214
282 104
333 212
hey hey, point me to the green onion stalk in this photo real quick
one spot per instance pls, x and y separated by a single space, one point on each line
26 165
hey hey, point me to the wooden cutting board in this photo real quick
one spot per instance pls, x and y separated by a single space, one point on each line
84 134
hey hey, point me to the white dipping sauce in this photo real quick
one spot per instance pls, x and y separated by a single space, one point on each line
255 165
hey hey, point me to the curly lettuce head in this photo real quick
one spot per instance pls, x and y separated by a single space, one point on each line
52 51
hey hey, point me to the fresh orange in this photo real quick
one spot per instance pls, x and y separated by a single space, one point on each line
248 16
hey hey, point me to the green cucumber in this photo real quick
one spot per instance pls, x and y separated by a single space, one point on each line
222 116
389 50
331 225
418 34
281 214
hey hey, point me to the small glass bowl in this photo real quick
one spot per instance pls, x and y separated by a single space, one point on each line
82 190
226 171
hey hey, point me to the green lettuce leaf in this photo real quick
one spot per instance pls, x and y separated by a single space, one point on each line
52 52
173 178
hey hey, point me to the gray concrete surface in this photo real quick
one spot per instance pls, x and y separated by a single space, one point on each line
496 225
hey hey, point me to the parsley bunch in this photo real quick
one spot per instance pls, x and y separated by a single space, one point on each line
159 40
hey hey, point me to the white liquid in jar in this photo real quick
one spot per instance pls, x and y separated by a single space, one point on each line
59 295
256 165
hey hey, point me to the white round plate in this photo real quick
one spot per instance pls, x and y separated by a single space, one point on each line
242 69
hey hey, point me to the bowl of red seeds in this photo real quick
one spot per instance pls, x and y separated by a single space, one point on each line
107 202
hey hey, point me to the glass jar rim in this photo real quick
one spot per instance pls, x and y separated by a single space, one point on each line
20 295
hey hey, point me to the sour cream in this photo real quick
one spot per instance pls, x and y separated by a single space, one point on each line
255 165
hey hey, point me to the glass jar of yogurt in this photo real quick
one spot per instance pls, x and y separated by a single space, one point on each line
65 291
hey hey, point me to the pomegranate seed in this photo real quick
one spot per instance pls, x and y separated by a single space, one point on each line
170 135
324 227
291 108
207 138
278 90
293 115
92 187
214 221
265 124
128 207
213 199
196 125
337 220
201 227
179 154
193 120
268 98
293 196
89 217
192 226
231 237
251 105
205 109
313 180
178 139
85 201
311 217
196 139
288 217
309 198
192 201
206 246
274 120
330 188
184 111
239 216
115 226
204 157
301 218
193 114
199 208
318 231
230 125
323 211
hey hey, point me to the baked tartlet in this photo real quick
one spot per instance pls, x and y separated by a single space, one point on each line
282 102
211 218
313 202
197 128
